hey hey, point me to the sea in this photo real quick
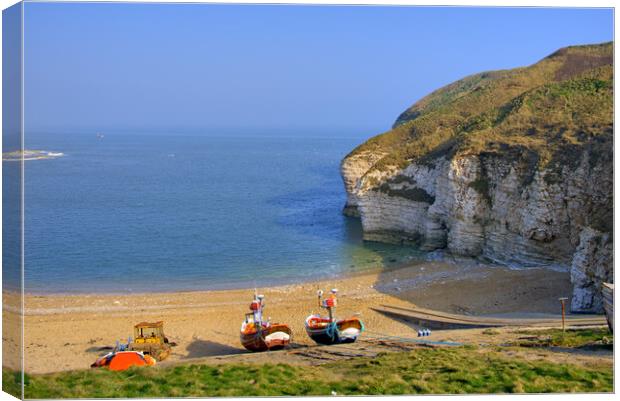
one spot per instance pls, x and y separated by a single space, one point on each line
131 212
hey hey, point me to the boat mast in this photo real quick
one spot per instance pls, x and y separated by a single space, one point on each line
329 303
258 311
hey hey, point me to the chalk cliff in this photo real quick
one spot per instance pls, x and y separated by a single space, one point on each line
515 166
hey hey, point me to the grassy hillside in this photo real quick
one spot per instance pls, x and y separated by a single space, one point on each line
546 113
423 371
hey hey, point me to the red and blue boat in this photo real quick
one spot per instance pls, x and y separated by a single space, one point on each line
329 330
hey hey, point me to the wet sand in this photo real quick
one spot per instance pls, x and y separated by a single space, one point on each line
64 332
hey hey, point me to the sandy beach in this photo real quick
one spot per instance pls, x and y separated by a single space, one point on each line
64 332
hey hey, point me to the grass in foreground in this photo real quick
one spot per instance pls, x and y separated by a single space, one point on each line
423 371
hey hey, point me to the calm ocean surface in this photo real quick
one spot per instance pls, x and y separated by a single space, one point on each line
138 212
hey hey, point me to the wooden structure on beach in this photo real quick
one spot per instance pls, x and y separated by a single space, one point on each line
150 339
608 304
441 320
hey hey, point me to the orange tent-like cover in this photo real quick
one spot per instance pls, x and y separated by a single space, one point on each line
124 360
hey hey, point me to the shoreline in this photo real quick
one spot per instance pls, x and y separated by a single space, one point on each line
225 288
66 332
245 286
443 257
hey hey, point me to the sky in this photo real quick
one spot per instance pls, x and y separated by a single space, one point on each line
114 66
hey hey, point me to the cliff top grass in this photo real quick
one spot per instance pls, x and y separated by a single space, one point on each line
423 371
547 113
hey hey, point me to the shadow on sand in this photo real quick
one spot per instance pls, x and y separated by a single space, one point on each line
201 348
100 349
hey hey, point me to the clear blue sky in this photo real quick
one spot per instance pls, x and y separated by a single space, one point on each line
179 66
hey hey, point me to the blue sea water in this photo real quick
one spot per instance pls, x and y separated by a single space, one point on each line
134 212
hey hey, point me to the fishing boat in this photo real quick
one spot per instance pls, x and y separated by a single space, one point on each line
257 335
608 304
329 330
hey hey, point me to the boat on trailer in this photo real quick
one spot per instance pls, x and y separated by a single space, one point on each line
329 330
257 335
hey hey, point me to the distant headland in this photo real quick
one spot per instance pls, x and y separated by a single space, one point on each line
30 155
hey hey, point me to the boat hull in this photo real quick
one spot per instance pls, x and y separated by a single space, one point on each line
271 338
321 331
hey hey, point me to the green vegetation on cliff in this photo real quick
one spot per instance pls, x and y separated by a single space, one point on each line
546 114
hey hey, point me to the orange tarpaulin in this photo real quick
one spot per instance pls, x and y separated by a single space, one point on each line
124 360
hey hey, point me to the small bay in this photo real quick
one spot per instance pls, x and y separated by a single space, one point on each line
137 212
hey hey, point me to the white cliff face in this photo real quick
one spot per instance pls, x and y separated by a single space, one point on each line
492 207
392 219
590 268
459 207
352 169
